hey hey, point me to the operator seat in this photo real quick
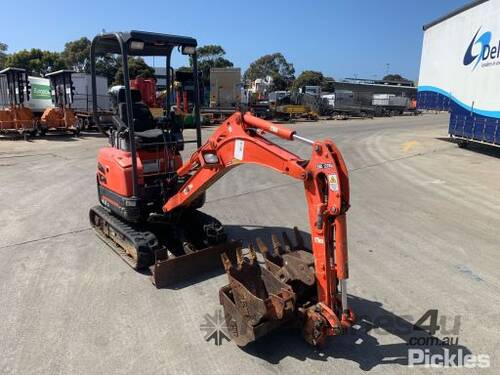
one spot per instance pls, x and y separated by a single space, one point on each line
143 119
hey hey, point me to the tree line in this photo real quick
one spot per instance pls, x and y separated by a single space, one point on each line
76 56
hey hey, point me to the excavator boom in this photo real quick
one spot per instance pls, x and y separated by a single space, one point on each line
241 140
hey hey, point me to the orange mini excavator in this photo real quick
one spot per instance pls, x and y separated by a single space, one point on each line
149 201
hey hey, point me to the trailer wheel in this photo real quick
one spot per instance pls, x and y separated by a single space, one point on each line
462 143
80 123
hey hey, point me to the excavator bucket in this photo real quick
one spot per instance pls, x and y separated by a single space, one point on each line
260 299
169 269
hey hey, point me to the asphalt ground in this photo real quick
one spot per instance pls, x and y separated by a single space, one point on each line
423 232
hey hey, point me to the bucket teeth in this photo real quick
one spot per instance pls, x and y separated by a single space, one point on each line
277 246
298 239
251 254
262 247
226 262
288 243
239 257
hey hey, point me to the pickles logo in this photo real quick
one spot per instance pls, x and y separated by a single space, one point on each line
486 51
40 92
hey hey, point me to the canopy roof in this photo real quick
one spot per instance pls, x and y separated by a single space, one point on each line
155 44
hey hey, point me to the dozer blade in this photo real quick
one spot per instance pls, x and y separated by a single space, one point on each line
169 269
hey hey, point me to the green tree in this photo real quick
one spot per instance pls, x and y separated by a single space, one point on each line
395 77
107 66
36 61
328 84
210 56
76 55
274 65
308 78
137 67
3 54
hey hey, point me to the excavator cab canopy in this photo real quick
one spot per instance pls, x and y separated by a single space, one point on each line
144 44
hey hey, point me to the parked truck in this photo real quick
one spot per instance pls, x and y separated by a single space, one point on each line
82 103
225 87
390 104
460 71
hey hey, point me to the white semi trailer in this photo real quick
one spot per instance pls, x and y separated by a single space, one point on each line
83 93
225 87
460 71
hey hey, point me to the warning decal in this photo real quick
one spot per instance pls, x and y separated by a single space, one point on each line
239 149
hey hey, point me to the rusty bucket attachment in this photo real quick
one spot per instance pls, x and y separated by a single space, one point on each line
289 263
255 301
259 299
169 269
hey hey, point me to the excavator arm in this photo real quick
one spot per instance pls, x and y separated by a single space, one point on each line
240 140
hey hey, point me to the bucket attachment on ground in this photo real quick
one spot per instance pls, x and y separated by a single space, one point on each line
255 300
289 263
259 299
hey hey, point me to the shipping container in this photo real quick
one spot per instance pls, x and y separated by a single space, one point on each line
460 71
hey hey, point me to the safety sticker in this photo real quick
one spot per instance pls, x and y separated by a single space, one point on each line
319 240
239 149
333 182
187 189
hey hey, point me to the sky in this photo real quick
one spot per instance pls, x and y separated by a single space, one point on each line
349 38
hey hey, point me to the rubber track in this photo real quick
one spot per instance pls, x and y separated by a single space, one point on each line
144 242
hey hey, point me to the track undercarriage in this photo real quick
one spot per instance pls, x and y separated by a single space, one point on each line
170 251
